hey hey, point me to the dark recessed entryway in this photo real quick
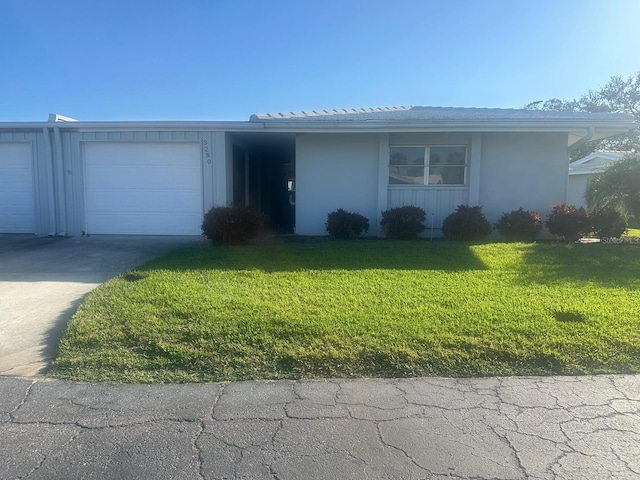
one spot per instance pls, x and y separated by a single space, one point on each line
264 177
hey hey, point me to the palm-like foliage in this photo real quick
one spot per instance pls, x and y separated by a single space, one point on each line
617 186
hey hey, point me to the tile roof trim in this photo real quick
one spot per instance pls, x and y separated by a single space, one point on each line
420 114
257 117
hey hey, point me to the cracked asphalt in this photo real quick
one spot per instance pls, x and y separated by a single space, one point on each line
426 428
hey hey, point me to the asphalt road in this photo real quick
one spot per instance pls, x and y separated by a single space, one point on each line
487 428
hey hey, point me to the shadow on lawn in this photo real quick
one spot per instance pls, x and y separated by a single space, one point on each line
607 265
327 255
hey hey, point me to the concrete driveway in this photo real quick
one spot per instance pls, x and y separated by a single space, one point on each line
43 280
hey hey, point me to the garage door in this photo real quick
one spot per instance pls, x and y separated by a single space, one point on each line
16 188
143 188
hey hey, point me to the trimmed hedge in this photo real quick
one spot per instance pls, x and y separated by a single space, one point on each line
231 225
520 225
607 222
345 225
403 223
466 223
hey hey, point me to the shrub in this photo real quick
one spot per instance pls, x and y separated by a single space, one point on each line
568 222
231 225
608 223
345 225
520 225
403 223
466 223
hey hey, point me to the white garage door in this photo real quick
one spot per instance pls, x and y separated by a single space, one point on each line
16 188
143 188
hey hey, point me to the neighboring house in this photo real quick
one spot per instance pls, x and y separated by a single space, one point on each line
65 177
581 170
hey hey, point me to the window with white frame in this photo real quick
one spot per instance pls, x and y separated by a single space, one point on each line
441 165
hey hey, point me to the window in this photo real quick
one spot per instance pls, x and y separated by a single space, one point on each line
427 165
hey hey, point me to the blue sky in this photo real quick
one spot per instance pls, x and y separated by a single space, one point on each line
227 59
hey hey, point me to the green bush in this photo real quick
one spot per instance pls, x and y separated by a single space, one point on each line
568 222
403 223
345 225
607 223
520 225
231 225
466 223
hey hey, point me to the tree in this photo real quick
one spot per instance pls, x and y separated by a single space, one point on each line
617 186
619 95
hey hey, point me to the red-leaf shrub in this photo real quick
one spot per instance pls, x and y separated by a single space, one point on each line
231 225
568 222
520 225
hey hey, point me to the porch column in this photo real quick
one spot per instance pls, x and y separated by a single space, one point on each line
383 181
474 168
222 171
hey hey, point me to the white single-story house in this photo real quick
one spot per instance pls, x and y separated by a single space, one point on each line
581 171
66 177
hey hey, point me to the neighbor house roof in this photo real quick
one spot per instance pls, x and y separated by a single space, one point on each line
594 162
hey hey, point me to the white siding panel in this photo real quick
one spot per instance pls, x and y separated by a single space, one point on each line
143 188
576 187
16 188
436 201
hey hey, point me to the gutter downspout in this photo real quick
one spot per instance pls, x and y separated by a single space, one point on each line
62 211
51 183
590 132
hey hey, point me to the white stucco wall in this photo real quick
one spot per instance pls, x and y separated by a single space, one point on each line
526 170
335 171
575 190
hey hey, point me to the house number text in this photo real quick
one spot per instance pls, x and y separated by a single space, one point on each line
206 153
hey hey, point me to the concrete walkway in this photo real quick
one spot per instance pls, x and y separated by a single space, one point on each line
43 280
494 428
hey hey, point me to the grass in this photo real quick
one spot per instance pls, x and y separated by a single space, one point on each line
361 308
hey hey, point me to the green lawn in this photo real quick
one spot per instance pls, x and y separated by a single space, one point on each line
361 308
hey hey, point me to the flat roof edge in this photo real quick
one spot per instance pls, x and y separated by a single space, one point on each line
132 125
613 125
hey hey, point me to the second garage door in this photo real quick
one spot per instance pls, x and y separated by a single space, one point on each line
16 188
143 188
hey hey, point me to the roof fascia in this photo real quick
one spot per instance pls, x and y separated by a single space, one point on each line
586 170
603 155
580 131
474 125
603 129
586 159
